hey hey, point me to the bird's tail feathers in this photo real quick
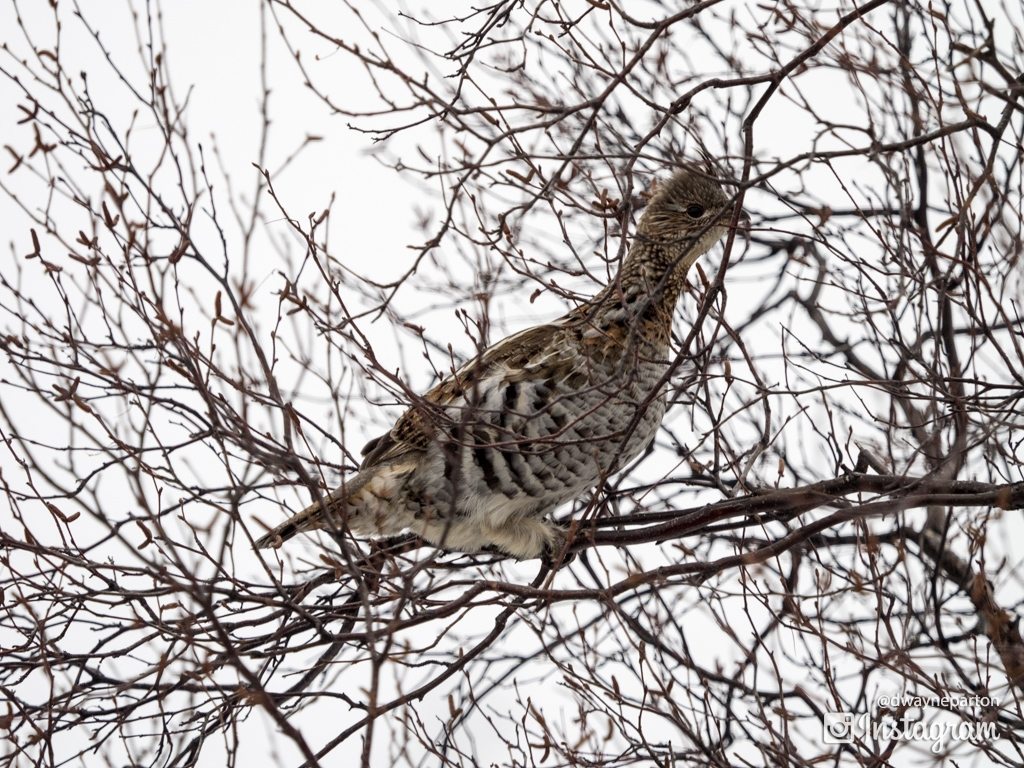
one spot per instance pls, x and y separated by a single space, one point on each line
365 504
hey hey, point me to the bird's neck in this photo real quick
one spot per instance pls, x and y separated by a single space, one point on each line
646 288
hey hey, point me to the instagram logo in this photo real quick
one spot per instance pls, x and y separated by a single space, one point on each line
846 727
837 728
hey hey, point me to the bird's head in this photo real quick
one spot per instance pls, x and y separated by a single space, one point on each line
686 215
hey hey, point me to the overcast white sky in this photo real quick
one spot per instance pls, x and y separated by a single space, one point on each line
215 50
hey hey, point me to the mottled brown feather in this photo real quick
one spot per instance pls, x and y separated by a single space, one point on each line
419 424
485 457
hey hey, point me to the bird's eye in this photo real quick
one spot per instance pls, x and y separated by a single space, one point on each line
695 211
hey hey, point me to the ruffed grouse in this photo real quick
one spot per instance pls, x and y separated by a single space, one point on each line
486 456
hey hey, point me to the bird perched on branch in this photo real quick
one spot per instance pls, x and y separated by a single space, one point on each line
486 456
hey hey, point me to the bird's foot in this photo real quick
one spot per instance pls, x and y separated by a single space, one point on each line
558 551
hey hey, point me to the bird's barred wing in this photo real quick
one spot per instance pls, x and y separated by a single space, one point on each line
419 425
